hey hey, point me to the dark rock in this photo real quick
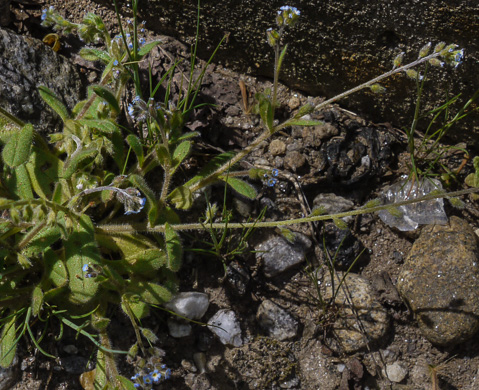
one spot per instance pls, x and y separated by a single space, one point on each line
27 63
280 255
338 45
440 282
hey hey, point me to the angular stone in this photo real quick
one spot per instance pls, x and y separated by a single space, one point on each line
225 325
440 282
27 63
276 321
191 304
361 319
280 255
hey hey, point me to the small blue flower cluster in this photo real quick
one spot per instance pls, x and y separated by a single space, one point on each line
130 34
91 271
147 378
140 110
131 199
287 16
270 179
46 12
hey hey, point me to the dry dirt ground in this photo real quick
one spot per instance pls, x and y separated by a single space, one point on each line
264 363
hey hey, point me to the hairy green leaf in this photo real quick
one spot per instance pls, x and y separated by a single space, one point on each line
106 126
92 54
44 170
149 292
108 96
240 186
304 122
37 300
8 344
80 250
17 150
181 197
180 153
211 166
137 148
125 383
55 270
78 158
145 49
42 240
174 249
54 102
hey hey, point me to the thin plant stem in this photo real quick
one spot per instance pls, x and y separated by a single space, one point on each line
143 227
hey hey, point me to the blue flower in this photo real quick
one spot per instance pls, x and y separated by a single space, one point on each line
115 63
147 379
142 41
85 268
130 46
44 14
274 172
142 202
167 374
156 376
271 182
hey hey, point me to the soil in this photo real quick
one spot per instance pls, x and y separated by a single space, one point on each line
311 163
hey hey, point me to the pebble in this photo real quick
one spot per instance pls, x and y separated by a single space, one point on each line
294 160
396 372
354 336
440 282
277 147
192 305
280 255
225 325
276 322
178 329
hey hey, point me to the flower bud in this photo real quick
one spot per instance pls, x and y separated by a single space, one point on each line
411 73
425 50
377 88
439 47
436 62
398 60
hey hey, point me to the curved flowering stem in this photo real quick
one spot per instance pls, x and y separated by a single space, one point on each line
143 227
452 56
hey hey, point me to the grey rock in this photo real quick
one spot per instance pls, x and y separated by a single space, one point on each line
332 203
440 282
335 46
192 305
276 322
225 325
396 372
280 255
178 329
361 319
8 376
25 64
